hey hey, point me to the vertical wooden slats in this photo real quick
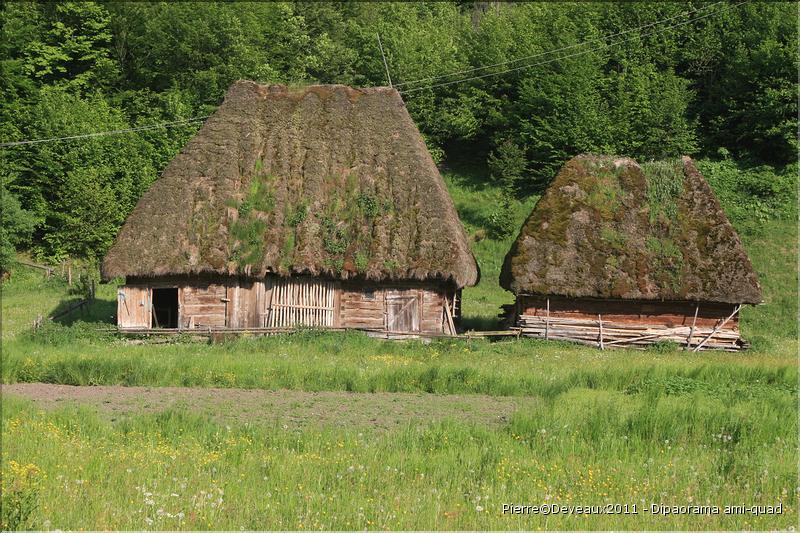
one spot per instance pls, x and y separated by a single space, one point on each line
300 302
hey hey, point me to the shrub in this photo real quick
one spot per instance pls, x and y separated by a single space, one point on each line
508 166
16 226
369 205
751 196
501 222
56 334
362 261
334 238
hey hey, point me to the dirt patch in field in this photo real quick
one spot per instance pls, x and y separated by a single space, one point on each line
294 409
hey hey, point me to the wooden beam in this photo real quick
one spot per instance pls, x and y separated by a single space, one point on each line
600 321
547 321
717 328
641 338
691 331
449 314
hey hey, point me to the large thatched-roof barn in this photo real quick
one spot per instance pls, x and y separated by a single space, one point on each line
617 253
312 207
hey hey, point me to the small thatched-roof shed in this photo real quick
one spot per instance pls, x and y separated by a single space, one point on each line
646 250
316 206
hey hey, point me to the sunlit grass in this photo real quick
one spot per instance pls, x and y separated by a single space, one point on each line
177 470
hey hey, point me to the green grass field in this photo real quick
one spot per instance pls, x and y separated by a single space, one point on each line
659 426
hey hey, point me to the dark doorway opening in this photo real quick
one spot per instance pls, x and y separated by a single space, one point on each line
165 308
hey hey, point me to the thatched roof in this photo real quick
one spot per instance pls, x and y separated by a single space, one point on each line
610 228
325 180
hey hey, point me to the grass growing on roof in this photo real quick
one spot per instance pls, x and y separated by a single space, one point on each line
604 191
254 210
664 188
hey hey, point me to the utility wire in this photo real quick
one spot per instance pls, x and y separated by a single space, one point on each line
415 89
443 84
547 52
103 133
385 64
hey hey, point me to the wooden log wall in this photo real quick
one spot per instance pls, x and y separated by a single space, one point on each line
433 318
364 305
668 314
203 305
631 324
275 302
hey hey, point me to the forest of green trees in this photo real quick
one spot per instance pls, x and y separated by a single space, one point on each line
714 79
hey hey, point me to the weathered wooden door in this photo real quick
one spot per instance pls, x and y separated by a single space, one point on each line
243 304
402 311
134 308
291 302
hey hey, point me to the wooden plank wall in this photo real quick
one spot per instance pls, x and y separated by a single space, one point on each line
245 308
204 304
363 305
133 307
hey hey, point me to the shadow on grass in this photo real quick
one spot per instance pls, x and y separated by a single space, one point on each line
472 216
480 323
98 311
465 164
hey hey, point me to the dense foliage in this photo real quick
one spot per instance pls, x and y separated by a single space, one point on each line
724 76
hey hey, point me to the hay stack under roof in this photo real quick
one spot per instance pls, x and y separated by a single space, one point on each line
610 228
326 180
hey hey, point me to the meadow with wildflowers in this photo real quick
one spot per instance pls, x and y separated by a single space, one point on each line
180 470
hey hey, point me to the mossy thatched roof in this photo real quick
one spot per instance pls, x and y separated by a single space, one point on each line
325 180
610 228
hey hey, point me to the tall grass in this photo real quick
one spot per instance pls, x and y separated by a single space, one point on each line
178 470
354 362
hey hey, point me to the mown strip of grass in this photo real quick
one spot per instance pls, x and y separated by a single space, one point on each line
354 362
178 470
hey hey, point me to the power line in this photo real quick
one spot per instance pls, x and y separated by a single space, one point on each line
443 84
386 65
104 133
415 89
547 52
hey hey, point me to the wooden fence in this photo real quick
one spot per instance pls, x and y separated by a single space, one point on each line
587 332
